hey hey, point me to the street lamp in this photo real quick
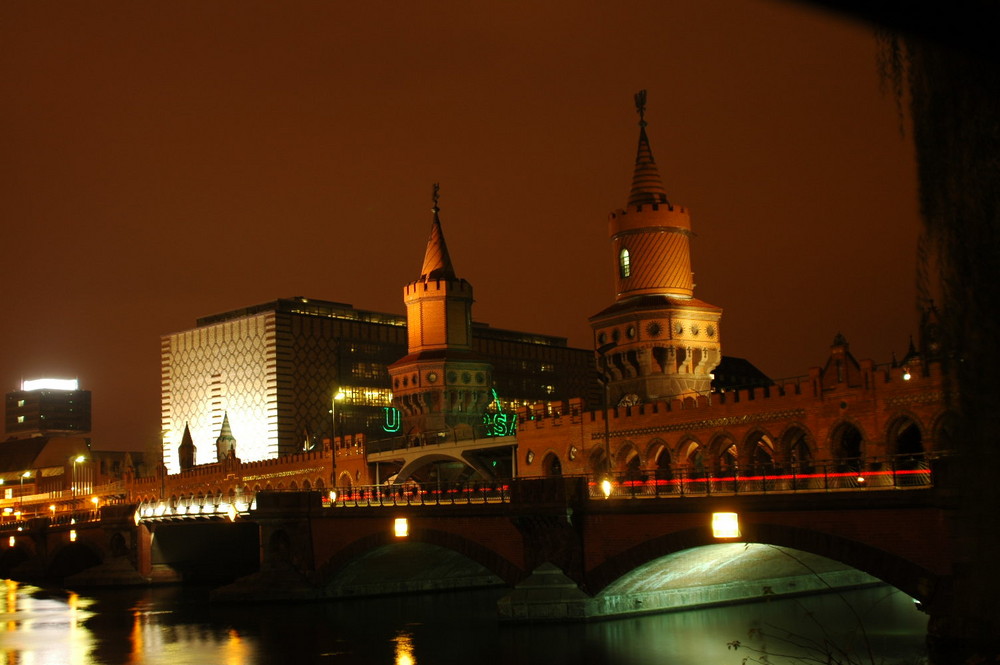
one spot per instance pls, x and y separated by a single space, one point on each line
606 379
76 460
20 495
337 397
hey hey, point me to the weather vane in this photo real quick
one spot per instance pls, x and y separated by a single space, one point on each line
434 196
640 106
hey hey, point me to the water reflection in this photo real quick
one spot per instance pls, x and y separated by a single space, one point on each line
176 626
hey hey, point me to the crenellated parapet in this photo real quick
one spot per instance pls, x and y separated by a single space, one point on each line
882 412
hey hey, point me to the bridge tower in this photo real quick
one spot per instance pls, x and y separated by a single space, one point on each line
441 383
657 341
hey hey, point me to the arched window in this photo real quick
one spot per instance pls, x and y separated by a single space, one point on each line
624 264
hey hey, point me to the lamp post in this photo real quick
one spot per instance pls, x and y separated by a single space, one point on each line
337 397
76 460
20 494
606 380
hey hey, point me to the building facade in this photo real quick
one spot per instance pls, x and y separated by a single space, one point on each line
273 371
47 407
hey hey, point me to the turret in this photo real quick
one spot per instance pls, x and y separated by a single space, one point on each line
656 342
441 383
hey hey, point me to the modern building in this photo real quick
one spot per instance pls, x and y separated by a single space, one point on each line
47 407
274 370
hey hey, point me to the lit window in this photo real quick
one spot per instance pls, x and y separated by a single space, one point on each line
20 419
625 264
20 402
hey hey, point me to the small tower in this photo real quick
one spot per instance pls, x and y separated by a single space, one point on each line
186 451
225 445
441 383
656 342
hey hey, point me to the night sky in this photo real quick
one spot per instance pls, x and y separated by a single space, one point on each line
162 161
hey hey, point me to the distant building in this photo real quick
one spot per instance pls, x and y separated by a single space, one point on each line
46 407
272 370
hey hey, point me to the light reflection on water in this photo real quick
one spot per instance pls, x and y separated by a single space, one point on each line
177 626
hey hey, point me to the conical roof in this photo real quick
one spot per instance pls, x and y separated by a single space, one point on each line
647 186
437 262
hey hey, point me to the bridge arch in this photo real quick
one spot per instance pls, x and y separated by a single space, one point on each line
847 444
904 436
797 447
908 577
759 450
486 558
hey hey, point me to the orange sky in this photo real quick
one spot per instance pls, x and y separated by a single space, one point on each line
161 161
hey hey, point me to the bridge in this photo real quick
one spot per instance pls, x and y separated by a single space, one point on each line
569 548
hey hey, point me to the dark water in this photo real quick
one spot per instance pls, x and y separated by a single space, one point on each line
177 626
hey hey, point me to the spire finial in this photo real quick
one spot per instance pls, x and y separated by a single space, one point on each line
435 196
640 107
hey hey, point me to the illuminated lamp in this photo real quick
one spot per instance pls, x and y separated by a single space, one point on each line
53 509
136 517
72 535
906 374
401 527
97 502
725 525
861 479
606 488
11 541
231 513
333 496
50 384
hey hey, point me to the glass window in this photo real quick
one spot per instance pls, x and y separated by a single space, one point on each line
624 263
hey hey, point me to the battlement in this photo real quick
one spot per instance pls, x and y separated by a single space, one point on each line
882 381
449 286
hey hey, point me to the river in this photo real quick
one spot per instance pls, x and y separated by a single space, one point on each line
177 626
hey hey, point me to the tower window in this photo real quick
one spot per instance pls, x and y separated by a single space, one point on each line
624 264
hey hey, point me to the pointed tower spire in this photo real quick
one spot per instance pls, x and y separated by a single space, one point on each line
186 451
225 445
437 262
647 186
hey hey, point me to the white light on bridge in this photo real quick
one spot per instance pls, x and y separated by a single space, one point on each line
606 488
72 535
11 541
725 525
402 527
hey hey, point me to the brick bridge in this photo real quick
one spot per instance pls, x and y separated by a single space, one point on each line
566 553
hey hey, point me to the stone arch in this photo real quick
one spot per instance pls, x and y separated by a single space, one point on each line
911 578
551 465
319 484
760 451
73 558
306 485
847 446
487 557
597 462
797 448
629 461
345 480
293 486
659 461
724 454
904 436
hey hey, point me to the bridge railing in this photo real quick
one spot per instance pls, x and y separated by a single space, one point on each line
856 474
411 494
